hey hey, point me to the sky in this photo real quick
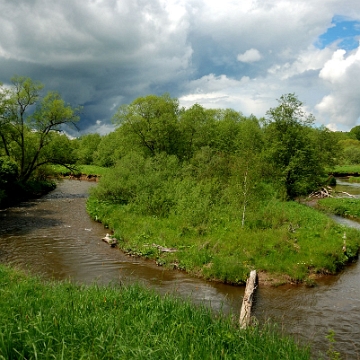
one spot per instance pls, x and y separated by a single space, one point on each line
239 54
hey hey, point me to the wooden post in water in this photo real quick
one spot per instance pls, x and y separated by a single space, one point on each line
245 313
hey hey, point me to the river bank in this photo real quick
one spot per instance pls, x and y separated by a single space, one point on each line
53 319
54 237
290 243
16 192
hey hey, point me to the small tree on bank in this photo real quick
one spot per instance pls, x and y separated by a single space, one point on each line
291 150
28 123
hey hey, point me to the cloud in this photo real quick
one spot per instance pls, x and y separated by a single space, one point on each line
103 53
249 56
341 73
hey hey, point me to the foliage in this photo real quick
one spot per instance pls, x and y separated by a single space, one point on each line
111 148
27 126
339 170
86 148
331 352
208 182
8 171
355 131
350 150
341 206
151 123
292 152
59 170
63 321
280 237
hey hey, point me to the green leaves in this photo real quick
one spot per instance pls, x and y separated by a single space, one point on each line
294 149
26 132
151 122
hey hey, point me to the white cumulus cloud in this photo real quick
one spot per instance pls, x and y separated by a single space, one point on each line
342 74
249 56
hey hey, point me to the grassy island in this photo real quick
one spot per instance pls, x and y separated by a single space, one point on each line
285 242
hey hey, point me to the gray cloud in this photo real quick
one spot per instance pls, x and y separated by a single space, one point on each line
102 53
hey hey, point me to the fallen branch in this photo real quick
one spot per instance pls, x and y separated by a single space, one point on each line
245 313
344 192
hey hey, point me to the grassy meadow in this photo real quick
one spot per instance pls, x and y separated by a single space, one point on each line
60 320
286 240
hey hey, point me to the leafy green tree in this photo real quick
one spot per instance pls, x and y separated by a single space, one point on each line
87 146
197 127
151 122
111 148
28 122
291 151
355 131
227 130
350 151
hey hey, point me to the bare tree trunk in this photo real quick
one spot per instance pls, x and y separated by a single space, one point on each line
245 313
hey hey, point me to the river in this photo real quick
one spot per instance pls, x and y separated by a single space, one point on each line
54 237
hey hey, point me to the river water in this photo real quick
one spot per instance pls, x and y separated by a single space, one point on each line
54 237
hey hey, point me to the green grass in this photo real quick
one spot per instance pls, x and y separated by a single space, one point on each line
53 320
282 238
343 207
344 169
80 169
354 179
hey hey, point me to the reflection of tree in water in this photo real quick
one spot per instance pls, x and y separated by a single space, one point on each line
27 217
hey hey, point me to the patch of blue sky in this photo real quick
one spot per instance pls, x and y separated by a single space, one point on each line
346 33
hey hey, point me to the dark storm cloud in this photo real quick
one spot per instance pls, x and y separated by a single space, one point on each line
95 53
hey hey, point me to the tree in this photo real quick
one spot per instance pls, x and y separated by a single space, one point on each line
87 146
151 121
110 148
28 122
355 131
350 151
290 150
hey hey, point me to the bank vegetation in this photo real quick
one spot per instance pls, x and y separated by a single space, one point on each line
219 189
60 320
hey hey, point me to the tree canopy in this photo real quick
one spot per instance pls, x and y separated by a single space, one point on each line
294 154
30 124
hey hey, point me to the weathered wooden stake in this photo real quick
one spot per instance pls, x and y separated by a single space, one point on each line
245 313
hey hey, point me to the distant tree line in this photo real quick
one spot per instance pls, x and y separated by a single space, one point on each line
171 160
283 150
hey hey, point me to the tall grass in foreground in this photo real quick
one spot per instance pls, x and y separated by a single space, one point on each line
55 320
